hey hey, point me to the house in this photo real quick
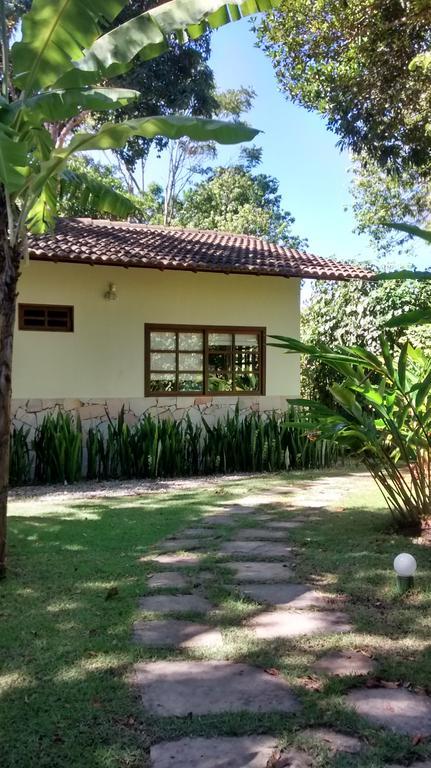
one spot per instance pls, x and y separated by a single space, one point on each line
162 320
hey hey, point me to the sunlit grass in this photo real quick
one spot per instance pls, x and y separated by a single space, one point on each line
66 650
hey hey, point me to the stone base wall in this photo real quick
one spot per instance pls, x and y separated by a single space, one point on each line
96 412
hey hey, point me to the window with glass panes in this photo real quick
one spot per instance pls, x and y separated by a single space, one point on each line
204 360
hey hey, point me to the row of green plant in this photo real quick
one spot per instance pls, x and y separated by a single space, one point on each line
155 448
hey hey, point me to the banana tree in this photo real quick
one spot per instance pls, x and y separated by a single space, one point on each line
383 418
59 69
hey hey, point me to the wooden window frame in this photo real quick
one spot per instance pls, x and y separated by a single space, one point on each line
205 330
46 328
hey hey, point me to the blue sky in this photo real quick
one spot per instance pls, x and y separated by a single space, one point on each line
297 149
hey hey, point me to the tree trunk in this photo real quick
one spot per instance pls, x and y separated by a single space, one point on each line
9 273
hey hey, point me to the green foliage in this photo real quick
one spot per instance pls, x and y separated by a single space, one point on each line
350 62
19 457
58 449
91 189
354 313
379 197
60 57
383 418
233 199
154 448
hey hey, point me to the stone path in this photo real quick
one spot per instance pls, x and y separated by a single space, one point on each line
251 546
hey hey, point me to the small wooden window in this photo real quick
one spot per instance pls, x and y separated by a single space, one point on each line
45 317
186 360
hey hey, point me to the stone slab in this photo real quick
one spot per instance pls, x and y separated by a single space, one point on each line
260 572
286 595
172 633
260 533
180 688
167 580
183 545
175 604
178 561
424 764
196 532
393 708
291 758
221 752
265 549
334 740
218 519
344 663
284 524
274 624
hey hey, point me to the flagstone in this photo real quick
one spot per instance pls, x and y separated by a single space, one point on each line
285 524
260 533
183 545
286 595
175 604
180 688
198 532
260 571
291 758
178 561
394 708
173 633
220 752
343 663
263 549
218 519
167 580
273 624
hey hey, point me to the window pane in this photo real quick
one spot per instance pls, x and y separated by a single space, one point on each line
220 381
246 382
219 340
245 361
191 361
162 382
191 341
163 339
246 340
218 360
191 382
163 361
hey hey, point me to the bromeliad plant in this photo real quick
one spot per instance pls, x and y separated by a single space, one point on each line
384 419
58 70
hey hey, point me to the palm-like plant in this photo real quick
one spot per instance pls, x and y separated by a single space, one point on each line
384 418
60 68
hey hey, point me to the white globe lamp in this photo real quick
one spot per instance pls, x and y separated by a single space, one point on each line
405 567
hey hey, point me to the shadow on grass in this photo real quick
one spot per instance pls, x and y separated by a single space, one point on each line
64 642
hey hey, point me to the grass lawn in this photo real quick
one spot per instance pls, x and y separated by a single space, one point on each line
65 650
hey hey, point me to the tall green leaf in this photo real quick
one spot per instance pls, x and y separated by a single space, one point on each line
54 106
411 229
415 317
148 35
54 33
114 136
14 168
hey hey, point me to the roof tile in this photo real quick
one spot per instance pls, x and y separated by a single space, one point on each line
114 243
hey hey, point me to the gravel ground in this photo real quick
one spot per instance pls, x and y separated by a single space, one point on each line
117 488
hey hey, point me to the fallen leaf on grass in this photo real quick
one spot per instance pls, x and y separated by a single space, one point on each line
311 683
272 671
418 738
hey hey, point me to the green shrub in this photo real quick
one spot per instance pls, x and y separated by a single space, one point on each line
57 447
20 458
154 448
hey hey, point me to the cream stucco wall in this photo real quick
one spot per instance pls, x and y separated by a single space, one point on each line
104 357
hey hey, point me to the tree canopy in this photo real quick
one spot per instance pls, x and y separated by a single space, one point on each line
234 199
355 313
351 61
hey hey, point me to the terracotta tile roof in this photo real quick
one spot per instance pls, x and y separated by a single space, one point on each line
91 241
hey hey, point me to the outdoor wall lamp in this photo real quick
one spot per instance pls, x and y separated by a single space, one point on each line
405 567
111 293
